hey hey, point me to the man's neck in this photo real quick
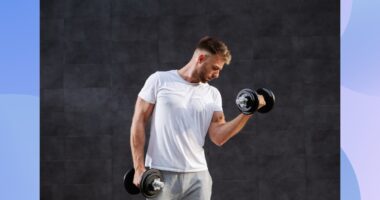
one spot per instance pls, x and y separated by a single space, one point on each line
188 73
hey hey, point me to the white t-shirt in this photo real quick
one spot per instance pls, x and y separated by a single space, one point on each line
180 121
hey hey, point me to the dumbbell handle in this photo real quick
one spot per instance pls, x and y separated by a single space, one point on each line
157 184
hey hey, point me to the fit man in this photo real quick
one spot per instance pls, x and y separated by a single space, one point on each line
183 109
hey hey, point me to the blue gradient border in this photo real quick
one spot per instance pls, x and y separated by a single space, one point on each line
360 99
19 100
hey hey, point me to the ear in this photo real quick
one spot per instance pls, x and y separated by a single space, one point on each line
201 58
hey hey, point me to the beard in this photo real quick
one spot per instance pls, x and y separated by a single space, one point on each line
202 77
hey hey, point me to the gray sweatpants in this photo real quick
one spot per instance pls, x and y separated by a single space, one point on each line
186 186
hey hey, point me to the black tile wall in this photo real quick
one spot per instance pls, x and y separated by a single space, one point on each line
96 55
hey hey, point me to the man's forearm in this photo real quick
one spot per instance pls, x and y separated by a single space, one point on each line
137 144
223 132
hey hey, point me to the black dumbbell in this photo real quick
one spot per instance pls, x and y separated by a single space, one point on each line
150 185
247 100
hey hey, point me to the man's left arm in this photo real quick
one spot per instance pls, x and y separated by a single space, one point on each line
221 131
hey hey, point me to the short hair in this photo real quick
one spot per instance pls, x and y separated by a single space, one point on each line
215 47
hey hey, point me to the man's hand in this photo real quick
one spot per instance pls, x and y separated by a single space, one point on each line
138 175
262 102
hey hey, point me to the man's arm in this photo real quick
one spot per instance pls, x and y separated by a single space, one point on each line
221 131
143 111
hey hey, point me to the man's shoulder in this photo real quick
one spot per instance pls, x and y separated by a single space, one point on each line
214 90
164 75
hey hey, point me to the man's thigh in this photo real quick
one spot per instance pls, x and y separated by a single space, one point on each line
172 188
198 186
185 186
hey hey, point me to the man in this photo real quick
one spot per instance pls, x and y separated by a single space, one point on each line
184 108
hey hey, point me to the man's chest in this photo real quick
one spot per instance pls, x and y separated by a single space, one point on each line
187 97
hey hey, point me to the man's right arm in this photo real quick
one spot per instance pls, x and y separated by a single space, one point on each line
143 111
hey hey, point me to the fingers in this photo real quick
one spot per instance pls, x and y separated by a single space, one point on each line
137 176
262 102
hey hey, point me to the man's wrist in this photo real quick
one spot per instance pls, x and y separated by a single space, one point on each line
140 167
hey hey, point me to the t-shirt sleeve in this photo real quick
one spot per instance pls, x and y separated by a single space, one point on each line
218 101
149 90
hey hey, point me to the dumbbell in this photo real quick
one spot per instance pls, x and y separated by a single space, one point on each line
247 100
150 185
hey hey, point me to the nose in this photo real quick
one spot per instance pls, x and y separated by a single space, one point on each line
215 75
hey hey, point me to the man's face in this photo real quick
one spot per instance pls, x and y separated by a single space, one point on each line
210 67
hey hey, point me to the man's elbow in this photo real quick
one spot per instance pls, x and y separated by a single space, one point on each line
219 144
217 141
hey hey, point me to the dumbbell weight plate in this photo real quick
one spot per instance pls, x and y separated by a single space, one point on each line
128 182
269 99
146 183
251 104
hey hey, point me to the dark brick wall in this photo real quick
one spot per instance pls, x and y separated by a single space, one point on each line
96 55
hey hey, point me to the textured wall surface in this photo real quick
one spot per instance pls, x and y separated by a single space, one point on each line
96 55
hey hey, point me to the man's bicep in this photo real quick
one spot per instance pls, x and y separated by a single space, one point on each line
216 121
143 109
218 118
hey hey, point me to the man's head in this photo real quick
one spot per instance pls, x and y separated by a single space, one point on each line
211 55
